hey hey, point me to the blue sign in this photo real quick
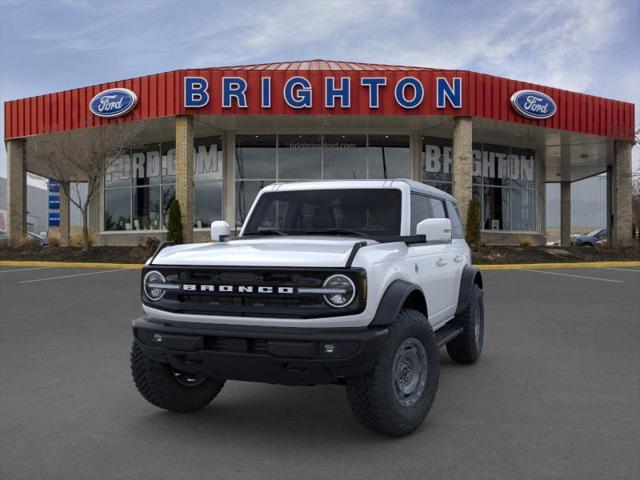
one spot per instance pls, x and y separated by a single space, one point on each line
54 187
54 219
533 104
54 203
114 102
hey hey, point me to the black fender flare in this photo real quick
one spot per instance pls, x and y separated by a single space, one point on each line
394 299
470 276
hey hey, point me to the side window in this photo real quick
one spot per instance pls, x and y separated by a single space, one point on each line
456 225
437 208
419 210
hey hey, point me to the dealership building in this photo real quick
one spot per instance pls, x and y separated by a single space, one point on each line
213 137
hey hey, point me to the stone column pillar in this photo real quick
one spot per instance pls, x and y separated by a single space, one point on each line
565 213
228 179
462 163
16 191
621 235
184 173
65 215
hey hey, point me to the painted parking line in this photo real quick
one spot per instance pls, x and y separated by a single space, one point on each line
575 276
24 269
637 270
69 276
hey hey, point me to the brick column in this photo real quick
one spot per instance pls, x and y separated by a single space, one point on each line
462 163
184 173
621 235
565 213
65 215
16 191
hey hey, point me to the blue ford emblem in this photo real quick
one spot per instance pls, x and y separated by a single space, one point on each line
533 104
114 102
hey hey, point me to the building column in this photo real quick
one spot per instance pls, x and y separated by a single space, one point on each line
184 173
415 147
462 163
621 183
65 215
565 213
228 179
16 191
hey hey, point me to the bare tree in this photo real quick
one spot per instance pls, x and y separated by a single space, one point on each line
82 156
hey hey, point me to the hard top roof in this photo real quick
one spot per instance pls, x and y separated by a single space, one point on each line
345 184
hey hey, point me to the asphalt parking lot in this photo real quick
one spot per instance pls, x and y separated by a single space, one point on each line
555 395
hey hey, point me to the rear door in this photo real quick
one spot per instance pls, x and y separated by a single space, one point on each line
431 264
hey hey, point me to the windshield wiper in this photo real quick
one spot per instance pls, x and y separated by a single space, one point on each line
266 232
338 231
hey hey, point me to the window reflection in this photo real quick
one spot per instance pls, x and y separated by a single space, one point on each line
389 156
345 156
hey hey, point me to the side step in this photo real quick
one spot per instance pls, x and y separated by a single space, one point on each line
447 333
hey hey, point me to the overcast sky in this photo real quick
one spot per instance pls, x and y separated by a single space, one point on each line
581 45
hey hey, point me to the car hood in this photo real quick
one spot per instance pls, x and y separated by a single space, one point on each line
310 251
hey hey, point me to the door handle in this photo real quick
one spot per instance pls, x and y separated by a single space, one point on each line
441 262
458 258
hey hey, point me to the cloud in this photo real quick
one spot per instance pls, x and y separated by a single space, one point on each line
584 45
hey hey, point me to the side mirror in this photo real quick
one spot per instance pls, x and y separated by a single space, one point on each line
220 231
435 229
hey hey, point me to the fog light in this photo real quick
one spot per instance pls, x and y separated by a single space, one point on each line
329 348
156 338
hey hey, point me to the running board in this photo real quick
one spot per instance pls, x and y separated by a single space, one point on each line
447 333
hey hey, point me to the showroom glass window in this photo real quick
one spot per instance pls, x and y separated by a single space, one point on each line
140 186
503 181
265 159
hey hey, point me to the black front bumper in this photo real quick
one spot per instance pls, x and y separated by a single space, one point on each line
289 356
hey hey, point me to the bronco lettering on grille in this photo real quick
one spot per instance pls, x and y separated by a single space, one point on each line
190 287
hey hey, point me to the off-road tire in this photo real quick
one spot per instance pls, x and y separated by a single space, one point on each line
372 397
156 382
466 348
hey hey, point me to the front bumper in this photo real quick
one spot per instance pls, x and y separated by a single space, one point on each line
289 356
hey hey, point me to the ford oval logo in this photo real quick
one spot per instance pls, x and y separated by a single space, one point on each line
114 102
533 104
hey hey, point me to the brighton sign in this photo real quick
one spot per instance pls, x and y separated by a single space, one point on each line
113 103
533 104
298 93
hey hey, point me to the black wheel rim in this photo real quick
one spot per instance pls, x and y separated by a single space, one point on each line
410 370
188 379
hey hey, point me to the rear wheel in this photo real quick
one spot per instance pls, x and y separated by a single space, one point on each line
396 395
170 389
467 347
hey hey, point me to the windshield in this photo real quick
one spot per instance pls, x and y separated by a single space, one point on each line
358 212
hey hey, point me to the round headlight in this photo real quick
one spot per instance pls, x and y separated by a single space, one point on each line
152 285
342 291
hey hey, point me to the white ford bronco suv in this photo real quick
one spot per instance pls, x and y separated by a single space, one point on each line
347 282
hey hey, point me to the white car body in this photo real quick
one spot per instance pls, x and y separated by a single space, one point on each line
435 267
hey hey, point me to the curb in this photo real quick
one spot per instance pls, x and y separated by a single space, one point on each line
550 266
510 266
29 263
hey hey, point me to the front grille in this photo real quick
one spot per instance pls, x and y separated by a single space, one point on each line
254 304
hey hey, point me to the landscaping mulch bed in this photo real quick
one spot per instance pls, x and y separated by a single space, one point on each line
483 256
504 255
75 254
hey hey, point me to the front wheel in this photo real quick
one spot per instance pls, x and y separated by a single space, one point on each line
467 347
167 388
396 395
